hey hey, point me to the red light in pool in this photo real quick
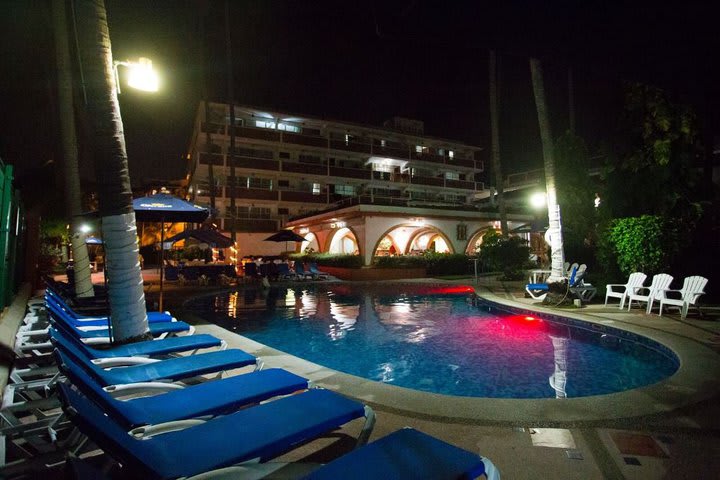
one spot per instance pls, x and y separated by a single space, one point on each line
448 290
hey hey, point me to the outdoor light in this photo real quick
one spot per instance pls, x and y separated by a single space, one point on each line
140 76
84 228
538 200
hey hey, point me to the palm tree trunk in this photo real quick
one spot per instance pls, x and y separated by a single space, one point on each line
125 286
554 234
495 140
71 175
231 99
208 136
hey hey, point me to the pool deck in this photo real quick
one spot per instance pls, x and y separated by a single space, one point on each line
667 430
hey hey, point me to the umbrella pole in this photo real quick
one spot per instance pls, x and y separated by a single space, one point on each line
162 262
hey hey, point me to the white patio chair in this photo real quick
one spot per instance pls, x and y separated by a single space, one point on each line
660 282
693 288
618 290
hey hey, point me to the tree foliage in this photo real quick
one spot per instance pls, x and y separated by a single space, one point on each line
509 255
644 244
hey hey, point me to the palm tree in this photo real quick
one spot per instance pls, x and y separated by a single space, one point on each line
557 255
71 175
495 140
231 98
125 286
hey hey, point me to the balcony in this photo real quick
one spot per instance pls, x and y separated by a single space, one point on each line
218 128
304 197
298 139
307 168
258 133
434 181
257 163
250 224
394 152
351 146
252 193
350 173
211 158
460 184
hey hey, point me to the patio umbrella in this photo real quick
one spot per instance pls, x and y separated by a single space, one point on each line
211 237
163 208
285 236
93 241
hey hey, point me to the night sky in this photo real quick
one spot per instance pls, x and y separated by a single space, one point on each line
365 61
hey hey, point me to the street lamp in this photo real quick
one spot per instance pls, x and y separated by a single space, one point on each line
140 76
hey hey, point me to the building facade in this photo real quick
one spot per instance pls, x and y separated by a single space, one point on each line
288 169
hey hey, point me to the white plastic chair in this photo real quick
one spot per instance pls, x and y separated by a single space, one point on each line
660 282
635 280
693 288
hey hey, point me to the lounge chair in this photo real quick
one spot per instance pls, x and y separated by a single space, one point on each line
693 288
284 271
258 433
316 272
141 369
407 453
617 290
539 291
99 319
205 399
660 282
582 289
301 272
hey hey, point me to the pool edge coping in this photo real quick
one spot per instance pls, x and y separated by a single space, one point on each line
689 385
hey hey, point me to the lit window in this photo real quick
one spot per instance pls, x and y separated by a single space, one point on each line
264 124
418 148
452 175
383 143
316 189
345 190
451 154
288 128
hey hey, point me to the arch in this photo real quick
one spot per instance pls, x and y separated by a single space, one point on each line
477 238
428 236
404 246
343 241
312 242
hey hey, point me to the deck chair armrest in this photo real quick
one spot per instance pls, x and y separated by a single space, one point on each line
33 333
634 290
122 361
148 431
675 294
141 387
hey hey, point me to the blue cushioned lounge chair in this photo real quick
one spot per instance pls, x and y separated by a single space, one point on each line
51 297
148 348
258 433
407 453
203 399
60 317
152 370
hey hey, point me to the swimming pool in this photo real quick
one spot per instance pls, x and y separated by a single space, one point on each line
439 339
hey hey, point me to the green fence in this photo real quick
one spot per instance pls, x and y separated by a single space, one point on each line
12 227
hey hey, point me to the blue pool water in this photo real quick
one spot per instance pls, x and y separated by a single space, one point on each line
438 339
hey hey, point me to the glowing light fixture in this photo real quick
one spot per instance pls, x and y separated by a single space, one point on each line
538 200
141 75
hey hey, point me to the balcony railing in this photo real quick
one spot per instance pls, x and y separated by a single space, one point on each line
308 168
252 193
208 158
257 163
305 197
350 173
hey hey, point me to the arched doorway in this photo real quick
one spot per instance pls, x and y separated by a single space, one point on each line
429 239
311 245
344 242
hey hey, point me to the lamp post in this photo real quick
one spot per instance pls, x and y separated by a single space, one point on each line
141 75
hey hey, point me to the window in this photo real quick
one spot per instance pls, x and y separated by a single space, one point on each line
264 124
345 190
284 183
304 158
316 188
452 175
383 143
283 211
288 128
252 212
284 154
451 154
311 131
418 148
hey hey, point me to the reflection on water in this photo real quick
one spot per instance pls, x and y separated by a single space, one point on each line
445 343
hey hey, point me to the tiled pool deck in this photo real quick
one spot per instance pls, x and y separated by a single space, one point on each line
668 430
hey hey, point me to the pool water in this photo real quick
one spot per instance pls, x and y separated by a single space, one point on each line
437 339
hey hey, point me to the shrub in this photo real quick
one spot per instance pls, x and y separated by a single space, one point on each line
509 255
643 244
331 259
